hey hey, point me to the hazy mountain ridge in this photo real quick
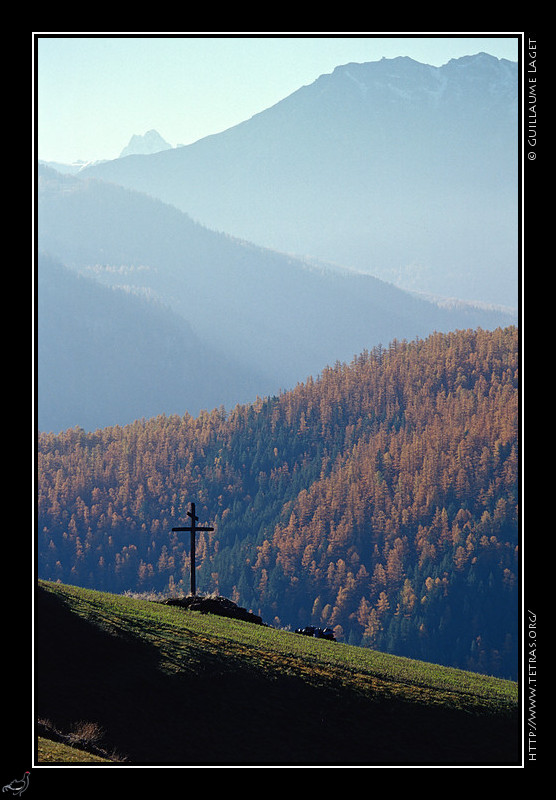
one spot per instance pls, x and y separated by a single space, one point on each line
145 144
272 316
360 167
69 169
106 356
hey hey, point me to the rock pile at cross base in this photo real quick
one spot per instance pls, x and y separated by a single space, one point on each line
214 605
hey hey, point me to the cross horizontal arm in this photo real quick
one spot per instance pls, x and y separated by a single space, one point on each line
195 529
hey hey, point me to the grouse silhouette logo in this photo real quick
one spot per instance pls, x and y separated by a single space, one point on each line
17 787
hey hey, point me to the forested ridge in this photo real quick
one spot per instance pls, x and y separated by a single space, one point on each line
379 498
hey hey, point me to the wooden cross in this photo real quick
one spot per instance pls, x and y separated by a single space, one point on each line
193 530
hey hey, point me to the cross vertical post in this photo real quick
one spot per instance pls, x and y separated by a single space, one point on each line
193 530
194 519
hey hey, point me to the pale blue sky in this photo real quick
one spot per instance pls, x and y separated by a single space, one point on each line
94 92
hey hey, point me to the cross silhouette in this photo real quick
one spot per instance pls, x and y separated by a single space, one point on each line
193 530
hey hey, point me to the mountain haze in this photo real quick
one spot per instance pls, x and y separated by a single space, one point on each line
105 355
399 169
270 320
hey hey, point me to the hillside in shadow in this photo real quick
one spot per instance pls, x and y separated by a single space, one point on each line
225 710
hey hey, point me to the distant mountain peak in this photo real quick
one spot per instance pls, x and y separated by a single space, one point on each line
147 144
403 170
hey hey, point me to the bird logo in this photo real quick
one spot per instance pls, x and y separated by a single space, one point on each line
17 787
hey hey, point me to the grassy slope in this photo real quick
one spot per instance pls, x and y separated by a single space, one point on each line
169 686
51 752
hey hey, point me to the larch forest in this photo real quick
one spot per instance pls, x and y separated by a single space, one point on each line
379 498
